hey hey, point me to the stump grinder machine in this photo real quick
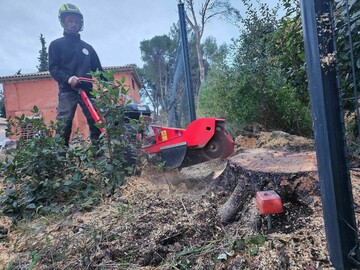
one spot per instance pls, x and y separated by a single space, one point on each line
204 139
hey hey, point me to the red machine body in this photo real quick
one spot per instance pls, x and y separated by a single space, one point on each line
204 139
94 113
197 134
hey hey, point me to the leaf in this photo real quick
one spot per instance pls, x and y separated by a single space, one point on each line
35 109
31 206
239 244
259 239
301 56
76 176
230 253
35 258
12 180
56 185
189 252
68 183
3 199
253 251
11 193
222 256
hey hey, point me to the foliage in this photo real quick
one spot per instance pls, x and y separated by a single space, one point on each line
218 99
43 56
161 74
257 87
119 141
348 28
39 178
157 54
347 18
214 55
36 178
226 248
287 50
197 19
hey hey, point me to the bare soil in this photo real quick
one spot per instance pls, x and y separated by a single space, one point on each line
169 220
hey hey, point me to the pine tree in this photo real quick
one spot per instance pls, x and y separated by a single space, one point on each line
43 58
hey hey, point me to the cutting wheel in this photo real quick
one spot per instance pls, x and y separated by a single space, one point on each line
218 146
221 145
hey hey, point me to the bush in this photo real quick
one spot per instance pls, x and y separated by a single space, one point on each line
38 178
243 98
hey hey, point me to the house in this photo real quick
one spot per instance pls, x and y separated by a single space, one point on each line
24 91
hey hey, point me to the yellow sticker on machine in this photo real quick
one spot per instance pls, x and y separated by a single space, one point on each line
164 135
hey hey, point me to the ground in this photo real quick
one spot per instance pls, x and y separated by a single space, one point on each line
169 220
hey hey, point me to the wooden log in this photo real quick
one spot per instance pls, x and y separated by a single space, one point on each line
292 175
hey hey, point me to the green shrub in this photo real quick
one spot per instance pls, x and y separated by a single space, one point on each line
243 98
38 178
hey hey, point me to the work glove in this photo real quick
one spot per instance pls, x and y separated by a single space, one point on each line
73 81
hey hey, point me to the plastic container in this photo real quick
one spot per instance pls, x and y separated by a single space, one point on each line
269 202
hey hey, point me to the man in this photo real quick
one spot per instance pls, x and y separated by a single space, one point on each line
69 59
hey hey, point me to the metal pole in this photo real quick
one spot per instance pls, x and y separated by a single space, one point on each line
184 40
335 183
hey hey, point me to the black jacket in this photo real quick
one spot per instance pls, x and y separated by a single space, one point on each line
69 56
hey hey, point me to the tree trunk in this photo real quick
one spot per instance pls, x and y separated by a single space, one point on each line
292 175
200 59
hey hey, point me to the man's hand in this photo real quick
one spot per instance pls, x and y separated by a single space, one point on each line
73 81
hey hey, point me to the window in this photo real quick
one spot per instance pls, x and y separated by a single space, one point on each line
27 128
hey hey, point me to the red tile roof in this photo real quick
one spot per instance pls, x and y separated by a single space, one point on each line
46 75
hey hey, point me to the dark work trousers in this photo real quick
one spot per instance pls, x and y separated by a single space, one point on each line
67 103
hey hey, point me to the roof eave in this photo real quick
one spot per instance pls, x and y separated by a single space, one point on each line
46 75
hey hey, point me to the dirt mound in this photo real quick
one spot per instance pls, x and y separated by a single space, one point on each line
276 140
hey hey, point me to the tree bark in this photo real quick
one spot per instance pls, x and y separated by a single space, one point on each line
200 60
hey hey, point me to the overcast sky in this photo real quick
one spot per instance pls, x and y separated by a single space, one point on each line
114 28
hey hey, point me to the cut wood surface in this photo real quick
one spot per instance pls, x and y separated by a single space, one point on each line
271 161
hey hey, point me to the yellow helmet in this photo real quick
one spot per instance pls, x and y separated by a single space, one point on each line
68 9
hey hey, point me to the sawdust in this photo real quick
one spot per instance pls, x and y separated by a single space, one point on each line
167 220
263 160
276 140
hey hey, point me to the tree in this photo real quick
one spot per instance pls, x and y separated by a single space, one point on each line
209 9
213 54
2 104
43 57
158 55
162 72
347 29
258 88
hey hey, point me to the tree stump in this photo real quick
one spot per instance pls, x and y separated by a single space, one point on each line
292 175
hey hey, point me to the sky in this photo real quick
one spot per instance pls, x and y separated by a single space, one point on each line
114 28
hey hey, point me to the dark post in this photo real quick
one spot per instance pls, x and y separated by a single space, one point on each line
335 184
184 42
